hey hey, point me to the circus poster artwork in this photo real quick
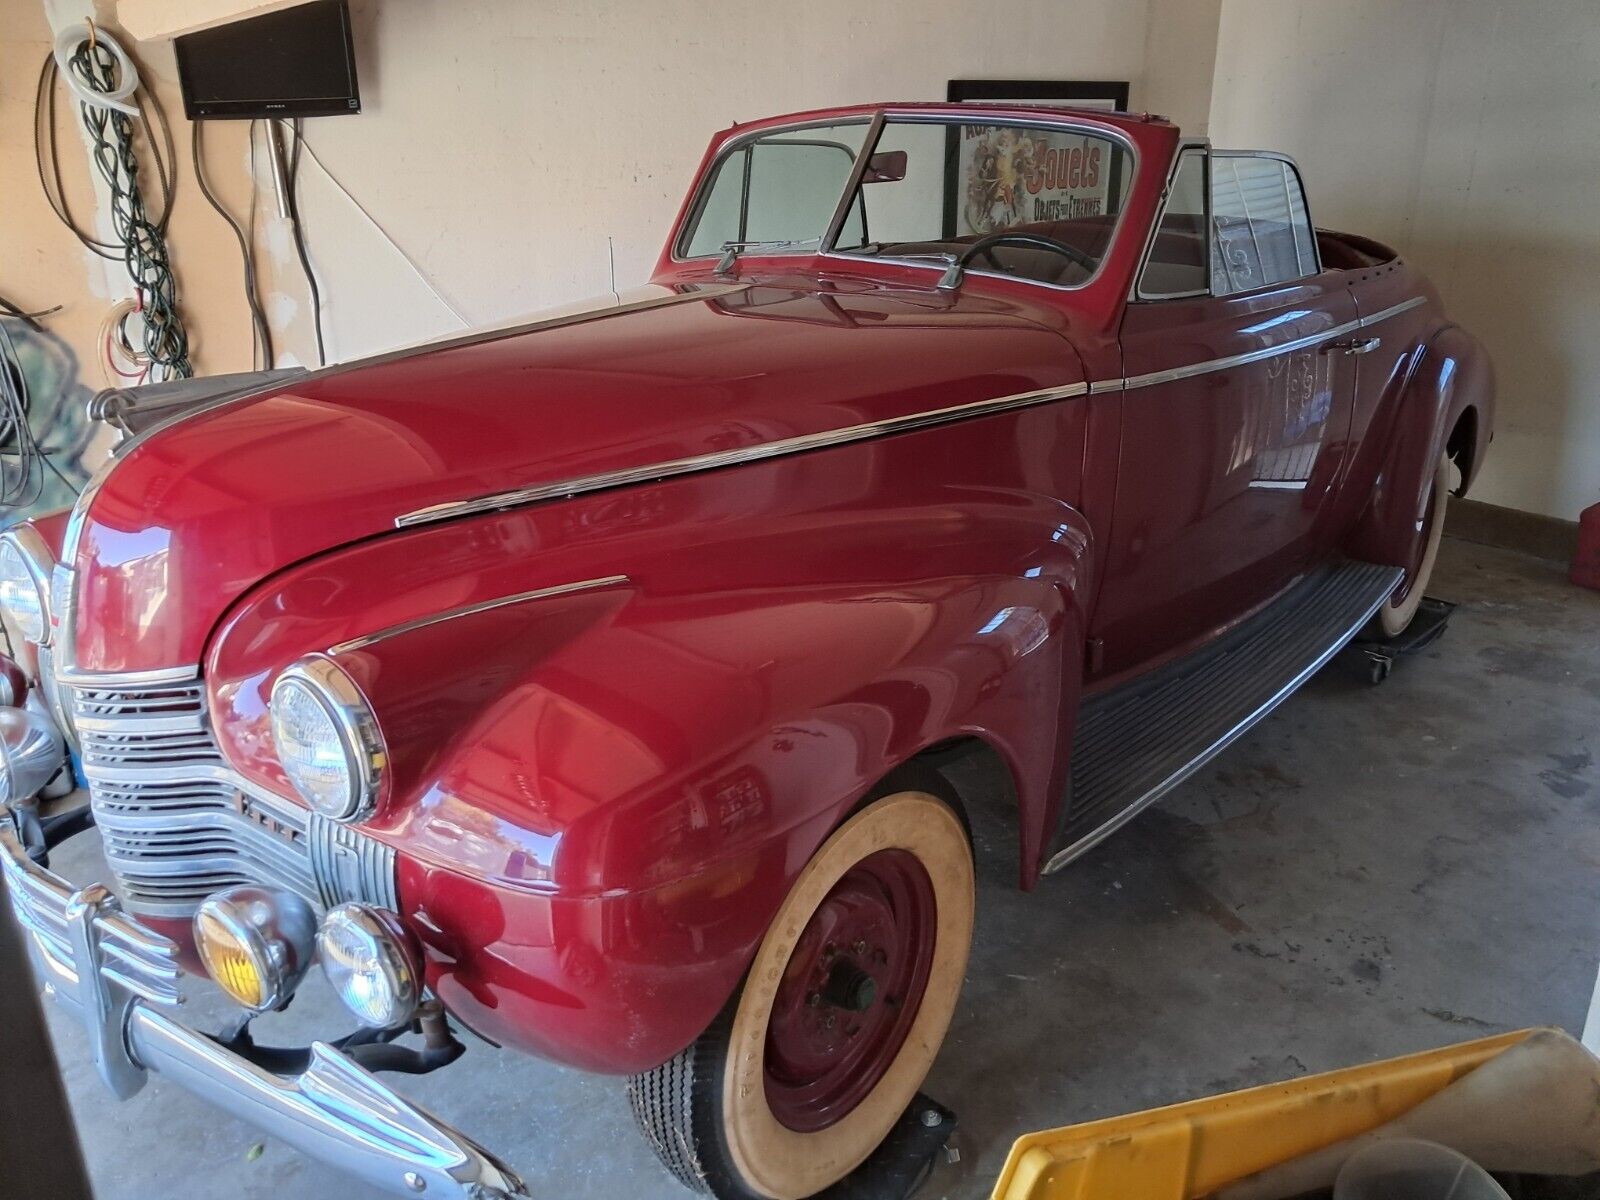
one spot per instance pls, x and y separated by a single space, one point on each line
1008 175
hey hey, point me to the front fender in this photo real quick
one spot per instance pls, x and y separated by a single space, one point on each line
1452 378
600 798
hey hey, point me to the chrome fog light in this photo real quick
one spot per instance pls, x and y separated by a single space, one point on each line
256 943
373 964
31 752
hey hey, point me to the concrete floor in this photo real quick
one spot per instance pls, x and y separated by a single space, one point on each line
1372 871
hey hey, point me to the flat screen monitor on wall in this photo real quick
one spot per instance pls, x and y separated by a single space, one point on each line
297 62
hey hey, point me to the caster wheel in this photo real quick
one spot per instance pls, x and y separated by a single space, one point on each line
838 1019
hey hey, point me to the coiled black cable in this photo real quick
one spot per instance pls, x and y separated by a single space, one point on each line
44 136
140 239
22 484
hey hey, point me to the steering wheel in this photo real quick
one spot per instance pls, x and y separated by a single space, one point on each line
986 245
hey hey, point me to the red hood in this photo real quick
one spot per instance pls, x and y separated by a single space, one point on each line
201 511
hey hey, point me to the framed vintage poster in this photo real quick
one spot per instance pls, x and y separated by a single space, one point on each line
1000 177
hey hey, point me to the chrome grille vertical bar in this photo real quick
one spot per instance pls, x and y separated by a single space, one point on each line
350 866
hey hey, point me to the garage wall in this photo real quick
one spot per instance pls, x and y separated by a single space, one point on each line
518 153
514 156
1466 133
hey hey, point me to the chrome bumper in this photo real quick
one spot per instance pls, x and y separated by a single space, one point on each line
122 981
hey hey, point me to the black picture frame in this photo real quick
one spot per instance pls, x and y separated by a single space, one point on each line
1072 92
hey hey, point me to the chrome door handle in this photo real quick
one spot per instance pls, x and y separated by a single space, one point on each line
1353 346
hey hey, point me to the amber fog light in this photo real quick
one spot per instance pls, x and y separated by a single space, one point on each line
256 943
373 964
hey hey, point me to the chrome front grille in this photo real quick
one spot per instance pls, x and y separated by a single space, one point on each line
350 866
176 823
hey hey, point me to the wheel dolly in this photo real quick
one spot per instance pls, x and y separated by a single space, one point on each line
905 1159
1425 629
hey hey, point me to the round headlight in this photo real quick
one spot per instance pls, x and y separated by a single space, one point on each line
372 963
327 739
25 563
256 943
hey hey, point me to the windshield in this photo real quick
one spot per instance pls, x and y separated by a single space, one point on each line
1030 201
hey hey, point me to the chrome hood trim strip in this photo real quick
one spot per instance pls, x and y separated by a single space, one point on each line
694 464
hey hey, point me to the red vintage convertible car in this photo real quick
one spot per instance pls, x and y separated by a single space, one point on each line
591 685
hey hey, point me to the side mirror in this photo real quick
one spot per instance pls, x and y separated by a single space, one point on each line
887 166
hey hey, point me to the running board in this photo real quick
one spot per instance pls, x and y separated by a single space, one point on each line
1138 742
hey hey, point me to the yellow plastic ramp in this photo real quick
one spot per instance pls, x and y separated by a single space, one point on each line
1187 1151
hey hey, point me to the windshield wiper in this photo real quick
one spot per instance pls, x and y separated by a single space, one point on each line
730 250
954 272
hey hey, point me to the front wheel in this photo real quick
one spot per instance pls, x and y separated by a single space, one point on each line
838 1019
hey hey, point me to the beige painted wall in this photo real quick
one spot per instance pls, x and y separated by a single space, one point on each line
204 256
515 151
509 154
1467 134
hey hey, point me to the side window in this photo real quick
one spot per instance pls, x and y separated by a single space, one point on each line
1259 228
1177 264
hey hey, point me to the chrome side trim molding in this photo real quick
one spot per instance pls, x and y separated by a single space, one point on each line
782 448
467 610
1394 310
581 485
1189 370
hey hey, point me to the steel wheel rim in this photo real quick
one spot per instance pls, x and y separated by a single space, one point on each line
851 991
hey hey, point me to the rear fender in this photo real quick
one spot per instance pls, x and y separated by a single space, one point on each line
1451 378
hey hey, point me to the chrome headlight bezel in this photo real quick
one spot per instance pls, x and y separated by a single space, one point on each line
325 683
36 561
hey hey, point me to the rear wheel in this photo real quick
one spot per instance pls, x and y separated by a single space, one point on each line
838 1019
1392 619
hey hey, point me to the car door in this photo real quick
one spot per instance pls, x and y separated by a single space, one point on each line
1236 403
